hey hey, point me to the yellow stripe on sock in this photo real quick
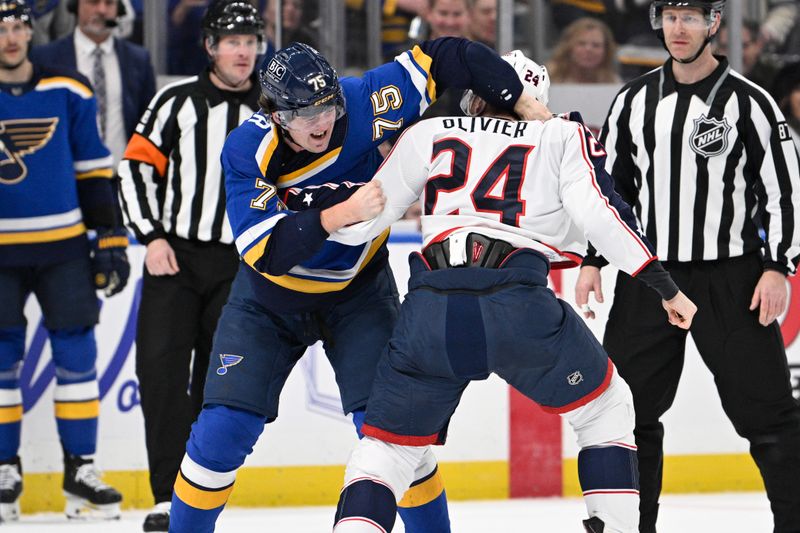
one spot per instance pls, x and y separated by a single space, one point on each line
199 498
77 410
425 492
9 415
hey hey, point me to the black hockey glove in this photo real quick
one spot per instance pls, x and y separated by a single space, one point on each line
110 268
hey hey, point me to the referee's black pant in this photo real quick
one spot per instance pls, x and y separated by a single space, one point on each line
177 317
747 360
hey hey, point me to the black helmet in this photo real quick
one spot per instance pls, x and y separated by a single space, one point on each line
16 9
297 81
232 17
709 7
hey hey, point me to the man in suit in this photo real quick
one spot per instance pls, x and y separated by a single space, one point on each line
120 71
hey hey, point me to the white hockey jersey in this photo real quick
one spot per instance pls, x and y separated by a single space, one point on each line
534 184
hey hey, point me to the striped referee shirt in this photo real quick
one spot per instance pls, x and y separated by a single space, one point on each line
171 178
709 168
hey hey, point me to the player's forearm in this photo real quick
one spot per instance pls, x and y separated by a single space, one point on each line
294 239
462 64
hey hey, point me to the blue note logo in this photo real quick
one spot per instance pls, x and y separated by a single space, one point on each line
18 138
228 361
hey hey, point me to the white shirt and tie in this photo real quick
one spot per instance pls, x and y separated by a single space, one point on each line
100 64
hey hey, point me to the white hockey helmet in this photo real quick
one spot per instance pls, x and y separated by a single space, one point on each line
534 77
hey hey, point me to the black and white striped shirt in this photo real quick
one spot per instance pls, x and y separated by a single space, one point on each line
171 179
706 167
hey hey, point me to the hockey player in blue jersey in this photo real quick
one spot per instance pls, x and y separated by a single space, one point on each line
55 181
293 288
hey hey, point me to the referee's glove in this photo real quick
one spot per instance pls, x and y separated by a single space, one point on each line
110 268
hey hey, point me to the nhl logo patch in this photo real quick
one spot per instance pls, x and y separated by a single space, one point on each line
710 136
575 378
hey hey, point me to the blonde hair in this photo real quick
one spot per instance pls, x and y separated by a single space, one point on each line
561 67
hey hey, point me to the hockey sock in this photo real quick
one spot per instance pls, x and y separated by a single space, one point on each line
423 508
609 477
365 506
77 396
12 348
220 440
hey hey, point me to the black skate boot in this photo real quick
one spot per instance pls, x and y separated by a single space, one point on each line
594 525
10 489
158 518
87 495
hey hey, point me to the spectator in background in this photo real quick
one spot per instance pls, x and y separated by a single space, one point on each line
754 67
483 21
586 53
565 12
185 57
293 28
397 18
50 21
120 71
781 26
786 92
446 18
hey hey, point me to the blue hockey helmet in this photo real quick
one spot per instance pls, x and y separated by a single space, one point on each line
16 9
298 82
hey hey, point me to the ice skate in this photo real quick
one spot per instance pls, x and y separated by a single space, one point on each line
87 495
10 489
158 518
594 525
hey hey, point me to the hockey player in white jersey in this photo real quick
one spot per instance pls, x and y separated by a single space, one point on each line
501 198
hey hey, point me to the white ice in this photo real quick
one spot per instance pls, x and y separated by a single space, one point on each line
729 512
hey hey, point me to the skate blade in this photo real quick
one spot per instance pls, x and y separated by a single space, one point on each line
9 512
82 509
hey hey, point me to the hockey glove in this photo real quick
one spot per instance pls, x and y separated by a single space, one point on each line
110 268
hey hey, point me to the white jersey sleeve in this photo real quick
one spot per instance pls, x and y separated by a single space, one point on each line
402 175
587 193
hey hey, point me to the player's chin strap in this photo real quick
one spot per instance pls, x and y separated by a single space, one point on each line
706 42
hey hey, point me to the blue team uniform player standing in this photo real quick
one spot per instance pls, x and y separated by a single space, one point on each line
55 181
293 287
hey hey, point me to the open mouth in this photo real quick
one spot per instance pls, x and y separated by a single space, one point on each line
318 136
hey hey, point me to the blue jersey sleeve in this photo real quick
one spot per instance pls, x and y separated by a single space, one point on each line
261 222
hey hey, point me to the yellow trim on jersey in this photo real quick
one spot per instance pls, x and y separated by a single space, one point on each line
9 415
425 492
96 173
77 410
48 235
424 61
290 282
198 498
59 81
394 35
308 168
268 153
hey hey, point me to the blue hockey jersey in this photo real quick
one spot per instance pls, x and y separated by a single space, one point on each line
259 167
54 169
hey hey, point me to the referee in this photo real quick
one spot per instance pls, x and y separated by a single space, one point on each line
706 160
174 200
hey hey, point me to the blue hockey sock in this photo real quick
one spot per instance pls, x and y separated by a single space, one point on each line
77 396
423 508
367 500
221 439
12 347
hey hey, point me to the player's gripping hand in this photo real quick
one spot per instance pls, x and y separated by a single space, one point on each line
588 281
680 310
529 108
110 268
366 203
